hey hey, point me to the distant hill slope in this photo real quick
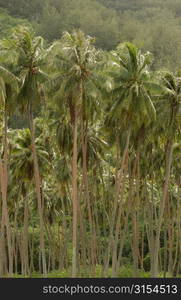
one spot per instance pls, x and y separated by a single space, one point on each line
8 22
153 25
173 5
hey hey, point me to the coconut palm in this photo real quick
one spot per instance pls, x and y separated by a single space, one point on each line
132 105
31 55
22 166
76 85
8 92
169 124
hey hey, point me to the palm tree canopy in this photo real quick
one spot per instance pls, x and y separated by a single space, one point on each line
22 157
169 104
132 93
29 59
76 59
9 85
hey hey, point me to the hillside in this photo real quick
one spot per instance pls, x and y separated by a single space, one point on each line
153 25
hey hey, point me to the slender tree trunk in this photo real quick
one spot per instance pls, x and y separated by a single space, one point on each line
14 239
118 185
135 247
85 181
25 235
5 224
170 241
2 232
123 233
135 215
38 192
74 196
165 254
117 231
83 242
178 238
169 154
31 246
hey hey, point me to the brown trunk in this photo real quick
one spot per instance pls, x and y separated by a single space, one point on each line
5 224
83 243
74 197
38 193
135 248
169 154
25 236
115 204
117 231
85 181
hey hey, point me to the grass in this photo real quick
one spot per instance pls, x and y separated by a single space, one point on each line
125 272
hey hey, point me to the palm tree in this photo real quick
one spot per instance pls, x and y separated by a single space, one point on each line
22 166
169 110
8 91
30 58
132 107
77 86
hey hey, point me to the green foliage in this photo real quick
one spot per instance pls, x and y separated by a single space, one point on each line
93 18
30 9
127 156
7 23
149 24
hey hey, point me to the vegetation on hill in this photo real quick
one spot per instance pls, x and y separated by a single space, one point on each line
153 25
7 23
90 138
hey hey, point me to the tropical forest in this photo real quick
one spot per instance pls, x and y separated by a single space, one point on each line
90 138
